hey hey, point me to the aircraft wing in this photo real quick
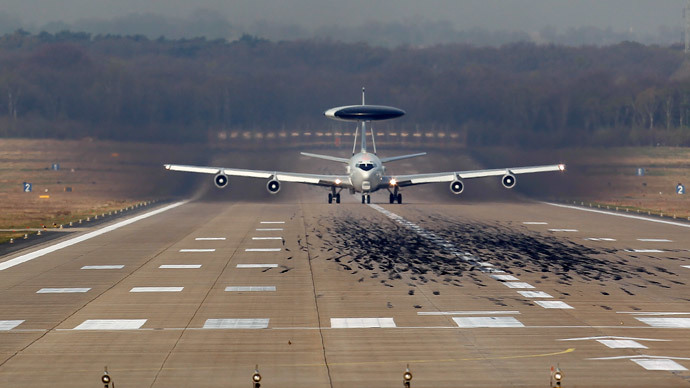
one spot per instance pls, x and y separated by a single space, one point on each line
418 179
312 179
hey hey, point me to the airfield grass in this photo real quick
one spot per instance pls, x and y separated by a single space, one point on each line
94 177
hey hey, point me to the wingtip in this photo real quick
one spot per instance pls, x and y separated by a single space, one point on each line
561 167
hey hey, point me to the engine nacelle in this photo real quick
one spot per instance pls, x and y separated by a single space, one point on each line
508 181
273 186
456 187
221 180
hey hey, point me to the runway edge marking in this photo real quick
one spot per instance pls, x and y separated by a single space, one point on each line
618 215
44 251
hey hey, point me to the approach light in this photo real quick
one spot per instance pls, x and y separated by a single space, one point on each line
338 181
393 182
561 167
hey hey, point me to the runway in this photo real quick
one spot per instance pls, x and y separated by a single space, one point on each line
469 293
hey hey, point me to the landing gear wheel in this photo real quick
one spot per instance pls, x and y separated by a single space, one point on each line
399 198
337 198
368 198
330 198
364 198
391 198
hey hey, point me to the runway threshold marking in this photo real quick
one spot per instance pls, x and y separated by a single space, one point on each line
50 249
651 362
652 313
474 322
103 267
619 214
669 323
534 294
553 304
518 285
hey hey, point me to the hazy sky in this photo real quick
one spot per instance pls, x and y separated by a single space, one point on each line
524 15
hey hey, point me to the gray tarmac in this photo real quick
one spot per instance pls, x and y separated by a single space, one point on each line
484 289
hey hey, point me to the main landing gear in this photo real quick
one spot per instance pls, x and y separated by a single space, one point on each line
334 196
366 198
395 196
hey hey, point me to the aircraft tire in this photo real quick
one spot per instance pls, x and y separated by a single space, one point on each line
337 198
368 198
399 198
364 198
330 198
391 198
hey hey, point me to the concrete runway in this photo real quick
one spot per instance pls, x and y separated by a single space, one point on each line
470 292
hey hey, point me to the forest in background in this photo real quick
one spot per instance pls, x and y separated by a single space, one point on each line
76 85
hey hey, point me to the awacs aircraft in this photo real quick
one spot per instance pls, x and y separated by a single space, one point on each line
364 171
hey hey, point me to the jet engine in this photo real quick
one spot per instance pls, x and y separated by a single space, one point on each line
221 180
508 181
456 187
273 186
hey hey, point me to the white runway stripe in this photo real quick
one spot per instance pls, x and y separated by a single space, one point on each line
269 229
41 252
156 289
653 240
468 313
553 304
659 364
600 239
534 294
653 313
9 325
180 266
535 223
197 250
675 323
267 238
209 238
644 250
471 322
563 230
257 265
103 267
518 285
504 277
61 290
250 288
360 323
621 344
272 222
111 324
263 250
252 323
685 266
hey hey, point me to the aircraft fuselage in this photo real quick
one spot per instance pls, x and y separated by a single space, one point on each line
366 172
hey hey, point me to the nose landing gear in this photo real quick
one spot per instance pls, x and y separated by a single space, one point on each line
366 198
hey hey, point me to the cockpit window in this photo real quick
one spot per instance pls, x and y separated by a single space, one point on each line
366 166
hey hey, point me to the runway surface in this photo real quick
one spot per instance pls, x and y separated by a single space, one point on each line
468 292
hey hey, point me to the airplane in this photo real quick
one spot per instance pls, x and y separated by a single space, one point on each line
364 171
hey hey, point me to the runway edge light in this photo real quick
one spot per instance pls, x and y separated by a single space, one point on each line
556 377
256 377
106 379
407 377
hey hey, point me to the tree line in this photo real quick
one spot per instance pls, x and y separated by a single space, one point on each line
73 85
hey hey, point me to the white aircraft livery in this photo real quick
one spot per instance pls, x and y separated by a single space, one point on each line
365 172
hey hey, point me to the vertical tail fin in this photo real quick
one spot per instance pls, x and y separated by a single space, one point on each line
354 146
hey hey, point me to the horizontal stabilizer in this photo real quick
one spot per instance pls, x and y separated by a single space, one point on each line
394 158
327 157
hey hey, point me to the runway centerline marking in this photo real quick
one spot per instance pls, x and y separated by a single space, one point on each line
468 312
10 324
653 240
644 250
473 322
535 223
210 239
180 266
156 289
269 229
103 267
256 266
250 288
263 249
234 323
563 230
62 290
600 239
44 251
619 215
272 222
362 323
197 250
267 238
